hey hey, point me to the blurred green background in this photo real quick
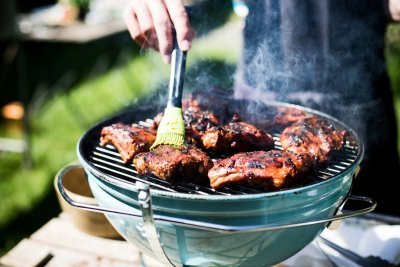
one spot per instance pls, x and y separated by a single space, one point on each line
83 84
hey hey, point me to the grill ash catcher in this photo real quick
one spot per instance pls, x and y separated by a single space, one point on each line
188 225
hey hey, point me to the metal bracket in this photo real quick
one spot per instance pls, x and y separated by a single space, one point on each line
149 227
219 228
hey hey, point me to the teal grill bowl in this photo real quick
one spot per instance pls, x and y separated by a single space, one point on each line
186 246
281 223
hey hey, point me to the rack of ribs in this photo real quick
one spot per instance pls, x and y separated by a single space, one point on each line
172 164
129 140
270 170
197 120
286 116
236 137
314 136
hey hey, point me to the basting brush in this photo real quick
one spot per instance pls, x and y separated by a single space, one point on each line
171 130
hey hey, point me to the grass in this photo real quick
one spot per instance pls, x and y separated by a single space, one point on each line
56 128
392 56
392 53
27 195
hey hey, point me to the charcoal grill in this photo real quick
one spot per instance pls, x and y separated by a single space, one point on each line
108 160
186 224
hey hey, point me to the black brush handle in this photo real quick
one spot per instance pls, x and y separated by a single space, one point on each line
178 66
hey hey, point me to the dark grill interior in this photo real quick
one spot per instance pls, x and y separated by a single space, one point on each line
107 160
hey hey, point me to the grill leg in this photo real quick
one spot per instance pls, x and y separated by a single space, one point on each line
149 226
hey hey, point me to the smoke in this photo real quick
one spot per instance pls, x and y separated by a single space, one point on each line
327 55
207 75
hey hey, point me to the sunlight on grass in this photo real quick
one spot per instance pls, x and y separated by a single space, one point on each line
56 129
392 53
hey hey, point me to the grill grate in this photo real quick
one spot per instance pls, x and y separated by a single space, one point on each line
107 159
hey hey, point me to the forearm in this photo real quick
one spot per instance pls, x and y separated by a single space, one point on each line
392 8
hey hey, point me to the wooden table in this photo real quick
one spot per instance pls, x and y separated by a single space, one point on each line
59 243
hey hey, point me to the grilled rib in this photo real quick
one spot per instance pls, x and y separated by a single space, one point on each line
129 140
314 136
171 164
197 120
271 170
286 116
236 137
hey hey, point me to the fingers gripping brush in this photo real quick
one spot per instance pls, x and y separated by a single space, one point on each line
171 130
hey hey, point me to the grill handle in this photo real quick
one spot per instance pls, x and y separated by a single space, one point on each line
178 66
220 228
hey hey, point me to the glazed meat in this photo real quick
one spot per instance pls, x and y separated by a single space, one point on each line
314 136
129 140
197 120
236 137
188 164
157 120
287 116
190 103
271 170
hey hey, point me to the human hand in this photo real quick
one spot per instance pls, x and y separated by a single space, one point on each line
394 10
151 23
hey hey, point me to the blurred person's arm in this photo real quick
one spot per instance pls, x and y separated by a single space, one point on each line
151 23
394 10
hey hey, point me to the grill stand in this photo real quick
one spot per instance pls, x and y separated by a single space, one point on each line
150 230
149 226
